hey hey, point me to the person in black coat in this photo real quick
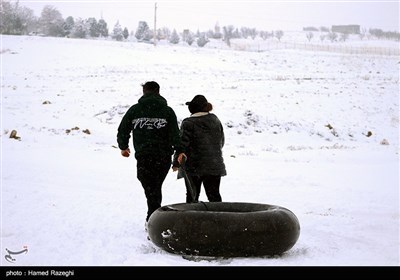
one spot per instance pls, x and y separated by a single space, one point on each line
155 136
202 139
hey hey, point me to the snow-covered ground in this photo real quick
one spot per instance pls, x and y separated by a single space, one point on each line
315 132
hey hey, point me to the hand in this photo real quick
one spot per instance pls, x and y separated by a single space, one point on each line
126 152
180 157
180 160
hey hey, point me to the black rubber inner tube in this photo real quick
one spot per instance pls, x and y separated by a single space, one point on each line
226 229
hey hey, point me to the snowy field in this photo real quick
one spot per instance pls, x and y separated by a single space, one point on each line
315 132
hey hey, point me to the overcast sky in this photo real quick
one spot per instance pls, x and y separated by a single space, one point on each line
203 15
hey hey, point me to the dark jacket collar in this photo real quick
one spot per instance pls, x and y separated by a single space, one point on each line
152 98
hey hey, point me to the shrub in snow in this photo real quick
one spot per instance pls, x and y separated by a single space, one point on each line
369 134
344 37
190 39
384 142
13 135
332 36
202 40
229 124
332 130
174 39
125 33
251 118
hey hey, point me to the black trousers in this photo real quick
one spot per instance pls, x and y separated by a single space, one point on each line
211 186
151 172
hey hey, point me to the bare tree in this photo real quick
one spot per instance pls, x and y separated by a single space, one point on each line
309 36
279 34
363 33
265 34
332 36
228 34
164 33
244 32
253 33
344 37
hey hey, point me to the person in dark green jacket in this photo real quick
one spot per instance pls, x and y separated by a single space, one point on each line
155 135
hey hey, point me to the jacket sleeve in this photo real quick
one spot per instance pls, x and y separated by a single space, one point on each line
124 130
186 134
184 141
173 133
222 137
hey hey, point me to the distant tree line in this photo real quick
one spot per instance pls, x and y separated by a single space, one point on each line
19 20
16 20
380 34
343 36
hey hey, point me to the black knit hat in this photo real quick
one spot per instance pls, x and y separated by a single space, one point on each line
198 104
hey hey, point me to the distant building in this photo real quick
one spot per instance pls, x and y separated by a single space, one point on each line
349 29
310 28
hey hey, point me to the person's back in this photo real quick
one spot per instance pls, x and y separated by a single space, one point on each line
204 138
152 122
155 134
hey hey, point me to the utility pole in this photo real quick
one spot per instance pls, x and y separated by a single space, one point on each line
155 24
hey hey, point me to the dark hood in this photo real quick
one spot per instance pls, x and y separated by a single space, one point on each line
153 100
